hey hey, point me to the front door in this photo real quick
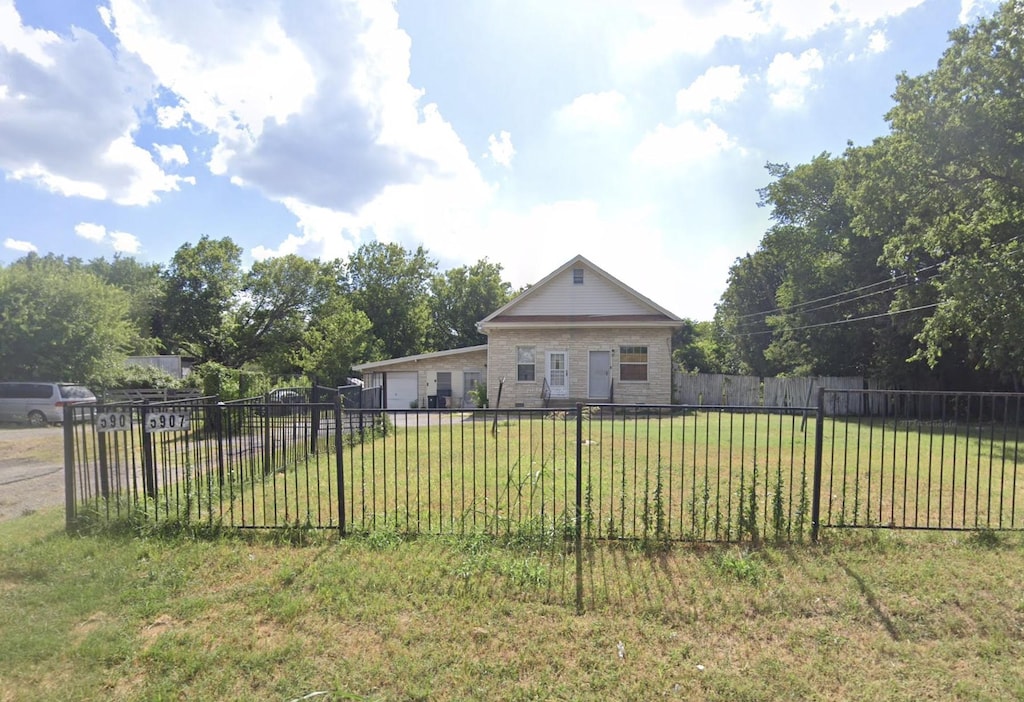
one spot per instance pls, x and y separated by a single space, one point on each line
558 374
600 375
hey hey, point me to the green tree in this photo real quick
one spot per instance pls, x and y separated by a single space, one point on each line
696 348
203 281
390 285
339 337
278 300
957 146
743 310
461 297
145 287
60 322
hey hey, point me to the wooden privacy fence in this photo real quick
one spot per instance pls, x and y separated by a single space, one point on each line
714 390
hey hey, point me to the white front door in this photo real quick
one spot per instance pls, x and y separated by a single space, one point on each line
558 374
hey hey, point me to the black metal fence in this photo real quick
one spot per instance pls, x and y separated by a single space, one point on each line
936 461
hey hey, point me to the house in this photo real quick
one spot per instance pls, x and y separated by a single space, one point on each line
578 335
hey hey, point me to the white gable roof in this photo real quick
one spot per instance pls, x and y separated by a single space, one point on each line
563 298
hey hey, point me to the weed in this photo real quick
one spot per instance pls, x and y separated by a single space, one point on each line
744 566
985 538
748 509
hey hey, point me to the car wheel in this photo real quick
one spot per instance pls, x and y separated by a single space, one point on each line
37 418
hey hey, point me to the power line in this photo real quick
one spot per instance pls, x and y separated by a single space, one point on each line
843 302
796 306
841 321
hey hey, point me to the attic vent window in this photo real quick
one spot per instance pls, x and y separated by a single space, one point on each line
577 276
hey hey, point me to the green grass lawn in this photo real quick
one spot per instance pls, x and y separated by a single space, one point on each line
279 616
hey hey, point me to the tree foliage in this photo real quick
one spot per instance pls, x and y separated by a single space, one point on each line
339 337
390 285
203 281
144 284
903 258
461 297
59 322
279 298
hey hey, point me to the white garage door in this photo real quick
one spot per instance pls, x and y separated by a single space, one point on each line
402 389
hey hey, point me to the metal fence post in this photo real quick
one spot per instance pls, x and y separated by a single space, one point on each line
579 508
819 440
70 515
339 463
148 458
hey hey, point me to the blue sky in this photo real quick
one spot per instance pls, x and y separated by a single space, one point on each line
524 131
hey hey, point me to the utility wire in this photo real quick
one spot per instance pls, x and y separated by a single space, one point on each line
796 306
840 321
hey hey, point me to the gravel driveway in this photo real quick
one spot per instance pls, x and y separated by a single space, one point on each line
30 484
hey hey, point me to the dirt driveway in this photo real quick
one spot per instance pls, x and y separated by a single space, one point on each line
31 469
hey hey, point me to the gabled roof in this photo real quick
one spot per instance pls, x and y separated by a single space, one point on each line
532 307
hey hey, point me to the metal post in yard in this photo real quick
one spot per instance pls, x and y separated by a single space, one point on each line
266 435
819 440
220 410
339 463
148 457
579 508
104 462
314 418
69 471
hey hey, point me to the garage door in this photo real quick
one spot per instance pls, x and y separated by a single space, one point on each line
403 389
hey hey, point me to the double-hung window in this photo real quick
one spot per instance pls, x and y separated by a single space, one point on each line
525 365
632 363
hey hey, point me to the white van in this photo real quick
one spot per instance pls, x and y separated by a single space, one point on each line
40 404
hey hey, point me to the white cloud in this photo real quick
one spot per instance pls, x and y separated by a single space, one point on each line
71 129
685 143
877 42
672 29
29 42
970 10
308 102
869 12
93 232
500 149
716 86
173 153
170 116
668 29
594 111
790 77
121 242
20 245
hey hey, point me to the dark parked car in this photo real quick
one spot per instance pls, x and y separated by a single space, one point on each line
282 401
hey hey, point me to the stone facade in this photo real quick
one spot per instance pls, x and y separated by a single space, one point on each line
578 343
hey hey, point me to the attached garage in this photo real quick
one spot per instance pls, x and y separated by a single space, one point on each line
401 389
436 379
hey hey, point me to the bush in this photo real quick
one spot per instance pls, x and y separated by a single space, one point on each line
136 377
479 395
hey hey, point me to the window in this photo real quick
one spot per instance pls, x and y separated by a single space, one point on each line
632 363
577 276
525 367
